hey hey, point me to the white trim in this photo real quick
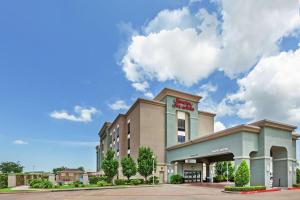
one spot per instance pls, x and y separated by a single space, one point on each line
261 157
241 157
128 136
282 159
128 121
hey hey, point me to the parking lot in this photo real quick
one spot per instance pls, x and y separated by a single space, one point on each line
174 192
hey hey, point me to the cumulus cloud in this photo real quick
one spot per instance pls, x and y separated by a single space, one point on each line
252 29
181 55
270 90
82 114
149 95
185 47
119 105
142 87
219 126
20 142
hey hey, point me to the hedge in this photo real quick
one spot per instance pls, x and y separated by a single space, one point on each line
298 175
120 182
40 183
176 179
95 179
242 189
296 185
3 181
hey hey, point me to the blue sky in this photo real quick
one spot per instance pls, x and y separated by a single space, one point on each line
68 66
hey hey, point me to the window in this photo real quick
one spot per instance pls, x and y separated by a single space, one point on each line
181 117
181 138
128 129
118 132
128 143
181 125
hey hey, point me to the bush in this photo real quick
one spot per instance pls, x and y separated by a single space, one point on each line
102 183
94 179
219 178
150 180
142 180
77 183
176 179
242 176
40 183
120 182
135 181
296 185
244 189
298 175
3 181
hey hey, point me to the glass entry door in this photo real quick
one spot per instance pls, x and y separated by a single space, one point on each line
192 176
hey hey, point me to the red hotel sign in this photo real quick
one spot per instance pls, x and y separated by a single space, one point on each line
181 104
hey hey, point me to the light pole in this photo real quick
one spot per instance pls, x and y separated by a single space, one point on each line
153 169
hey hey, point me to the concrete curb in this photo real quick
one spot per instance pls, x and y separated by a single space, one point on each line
253 191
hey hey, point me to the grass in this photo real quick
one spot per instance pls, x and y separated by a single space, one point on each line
8 190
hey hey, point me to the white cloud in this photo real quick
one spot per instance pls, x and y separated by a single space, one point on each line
82 114
219 126
149 95
270 90
142 87
206 90
20 142
252 29
186 47
181 55
119 105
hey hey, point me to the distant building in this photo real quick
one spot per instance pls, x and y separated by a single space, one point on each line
184 141
69 175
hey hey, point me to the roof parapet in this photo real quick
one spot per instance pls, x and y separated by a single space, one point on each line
176 93
274 124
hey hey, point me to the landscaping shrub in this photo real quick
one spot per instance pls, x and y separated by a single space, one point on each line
242 176
40 183
102 183
296 185
3 181
135 181
120 182
219 178
298 175
150 180
77 183
244 189
176 179
141 180
94 179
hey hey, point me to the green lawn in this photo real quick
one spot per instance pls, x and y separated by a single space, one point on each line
6 190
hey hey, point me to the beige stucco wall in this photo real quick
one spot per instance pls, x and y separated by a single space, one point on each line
134 117
152 130
206 124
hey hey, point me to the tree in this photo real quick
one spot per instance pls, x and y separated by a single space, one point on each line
221 171
11 167
81 168
242 175
58 169
298 175
128 167
110 165
145 162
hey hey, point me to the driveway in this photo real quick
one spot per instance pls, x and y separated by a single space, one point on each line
165 192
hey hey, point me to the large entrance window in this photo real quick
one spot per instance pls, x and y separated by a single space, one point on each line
191 176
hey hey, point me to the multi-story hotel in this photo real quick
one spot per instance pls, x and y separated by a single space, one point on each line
184 141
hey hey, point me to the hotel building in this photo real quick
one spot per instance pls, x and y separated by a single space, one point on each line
184 141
